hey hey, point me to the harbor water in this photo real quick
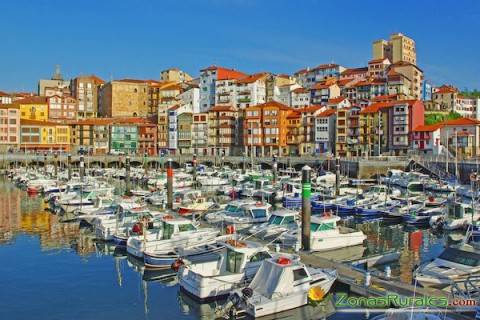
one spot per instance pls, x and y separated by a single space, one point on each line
55 270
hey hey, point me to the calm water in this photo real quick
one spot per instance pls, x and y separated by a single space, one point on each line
54 270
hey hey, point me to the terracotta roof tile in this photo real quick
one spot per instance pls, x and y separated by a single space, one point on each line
33 100
427 128
327 113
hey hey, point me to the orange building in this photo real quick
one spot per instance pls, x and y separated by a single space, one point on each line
265 129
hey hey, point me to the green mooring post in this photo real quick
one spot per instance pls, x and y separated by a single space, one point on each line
306 206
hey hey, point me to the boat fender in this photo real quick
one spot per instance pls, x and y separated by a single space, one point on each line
137 228
247 292
230 229
177 264
284 261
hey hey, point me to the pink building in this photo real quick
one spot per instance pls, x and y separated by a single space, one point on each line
62 108
9 127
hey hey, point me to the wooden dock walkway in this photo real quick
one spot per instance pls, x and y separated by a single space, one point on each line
355 280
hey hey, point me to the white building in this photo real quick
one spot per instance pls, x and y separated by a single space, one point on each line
251 90
190 98
5 98
299 98
467 107
225 92
325 124
208 78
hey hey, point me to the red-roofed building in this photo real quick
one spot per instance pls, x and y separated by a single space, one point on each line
62 108
85 89
338 103
300 98
323 91
224 131
5 98
265 129
461 135
377 68
426 139
9 127
308 77
354 74
387 126
251 90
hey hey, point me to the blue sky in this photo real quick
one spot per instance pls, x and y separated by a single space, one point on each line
116 39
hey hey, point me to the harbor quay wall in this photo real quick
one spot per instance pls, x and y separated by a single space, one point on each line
353 168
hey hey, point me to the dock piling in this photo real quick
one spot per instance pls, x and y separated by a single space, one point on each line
169 184
337 176
55 164
306 207
127 175
82 168
194 173
69 166
275 166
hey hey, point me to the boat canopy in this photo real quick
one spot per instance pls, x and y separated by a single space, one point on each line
273 280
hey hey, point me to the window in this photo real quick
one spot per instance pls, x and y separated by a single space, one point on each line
186 227
299 274
234 261
167 230
259 213
260 256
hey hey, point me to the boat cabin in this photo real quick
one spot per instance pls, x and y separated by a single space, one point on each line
283 217
172 226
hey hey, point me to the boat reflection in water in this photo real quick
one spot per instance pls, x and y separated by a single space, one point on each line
29 232
207 311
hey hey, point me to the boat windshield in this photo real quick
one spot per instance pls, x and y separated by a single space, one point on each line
167 230
234 261
232 208
322 226
275 220
186 227
466 258
259 213
288 220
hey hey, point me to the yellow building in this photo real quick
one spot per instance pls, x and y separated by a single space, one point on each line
33 108
399 48
44 135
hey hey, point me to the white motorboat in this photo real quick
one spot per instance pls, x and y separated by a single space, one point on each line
229 269
280 221
453 264
248 215
458 216
281 284
194 207
233 208
326 234
175 233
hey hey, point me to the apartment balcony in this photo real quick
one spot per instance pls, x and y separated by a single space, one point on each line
244 100
352 141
